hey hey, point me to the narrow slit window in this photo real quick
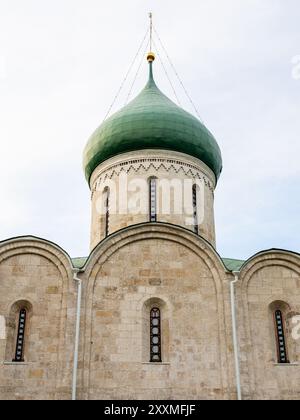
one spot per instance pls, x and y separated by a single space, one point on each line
195 213
106 209
19 355
280 337
155 336
153 199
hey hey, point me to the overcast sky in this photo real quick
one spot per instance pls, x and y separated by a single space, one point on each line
61 63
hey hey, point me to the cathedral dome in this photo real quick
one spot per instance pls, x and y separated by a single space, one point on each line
152 121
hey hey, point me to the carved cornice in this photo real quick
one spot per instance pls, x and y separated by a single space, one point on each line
155 164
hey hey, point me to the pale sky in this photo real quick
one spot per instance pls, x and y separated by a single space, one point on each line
61 63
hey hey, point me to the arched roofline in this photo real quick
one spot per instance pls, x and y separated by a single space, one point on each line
7 247
107 242
268 252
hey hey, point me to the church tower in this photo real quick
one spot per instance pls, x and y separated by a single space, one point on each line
152 162
154 312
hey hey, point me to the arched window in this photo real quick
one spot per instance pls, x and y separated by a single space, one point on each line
106 211
18 331
280 337
155 335
156 317
195 214
19 353
153 199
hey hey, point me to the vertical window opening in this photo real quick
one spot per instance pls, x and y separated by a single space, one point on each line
280 337
155 335
195 213
19 354
106 210
153 199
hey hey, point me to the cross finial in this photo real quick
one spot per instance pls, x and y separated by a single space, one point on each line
151 29
151 56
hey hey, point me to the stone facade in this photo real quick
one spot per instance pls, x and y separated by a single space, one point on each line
192 305
268 282
126 274
38 276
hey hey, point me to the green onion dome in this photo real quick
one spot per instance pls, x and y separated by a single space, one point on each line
151 121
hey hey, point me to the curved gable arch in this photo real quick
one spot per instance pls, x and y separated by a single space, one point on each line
52 312
37 246
273 257
144 231
155 231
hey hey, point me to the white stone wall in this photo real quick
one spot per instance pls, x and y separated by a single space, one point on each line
269 281
168 168
2 328
143 265
35 275
179 272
